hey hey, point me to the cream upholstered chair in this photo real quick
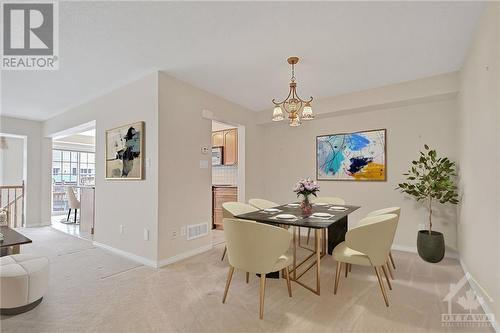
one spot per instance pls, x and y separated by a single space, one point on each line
389 210
262 203
257 248
73 202
368 245
326 200
232 208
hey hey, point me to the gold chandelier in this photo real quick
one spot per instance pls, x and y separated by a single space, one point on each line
296 108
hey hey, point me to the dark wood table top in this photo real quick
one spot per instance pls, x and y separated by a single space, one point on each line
301 221
12 237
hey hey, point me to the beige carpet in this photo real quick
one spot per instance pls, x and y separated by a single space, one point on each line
92 290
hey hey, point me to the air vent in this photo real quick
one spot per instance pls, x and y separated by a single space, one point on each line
197 230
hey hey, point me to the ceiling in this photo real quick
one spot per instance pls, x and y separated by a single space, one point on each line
238 50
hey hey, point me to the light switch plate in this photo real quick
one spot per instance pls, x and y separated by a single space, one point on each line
203 164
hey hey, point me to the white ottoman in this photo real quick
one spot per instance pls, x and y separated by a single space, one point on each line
24 279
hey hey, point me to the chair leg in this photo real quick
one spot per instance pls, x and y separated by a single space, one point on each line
387 277
228 282
392 260
308 235
390 270
337 277
347 267
223 253
248 276
69 213
382 288
262 294
288 284
76 210
350 268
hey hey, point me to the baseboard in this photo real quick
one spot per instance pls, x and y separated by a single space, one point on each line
481 293
449 253
184 255
128 255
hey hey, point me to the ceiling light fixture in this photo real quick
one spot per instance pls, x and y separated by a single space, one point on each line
296 108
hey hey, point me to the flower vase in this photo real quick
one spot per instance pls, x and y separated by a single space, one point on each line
306 206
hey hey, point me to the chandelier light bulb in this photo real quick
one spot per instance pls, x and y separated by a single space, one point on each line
307 112
277 114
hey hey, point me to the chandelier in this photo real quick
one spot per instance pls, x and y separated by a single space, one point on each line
296 108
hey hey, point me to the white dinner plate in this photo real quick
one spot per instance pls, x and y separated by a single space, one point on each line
320 204
338 208
285 216
271 210
321 215
293 205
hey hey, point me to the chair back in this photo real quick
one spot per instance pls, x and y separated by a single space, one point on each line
254 247
389 210
73 202
262 203
328 200
232 208
373 237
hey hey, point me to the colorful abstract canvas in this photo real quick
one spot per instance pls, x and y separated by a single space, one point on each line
351 156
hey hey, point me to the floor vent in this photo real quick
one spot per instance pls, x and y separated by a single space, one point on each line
197 230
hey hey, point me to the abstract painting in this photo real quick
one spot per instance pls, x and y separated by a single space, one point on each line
351 156
124 152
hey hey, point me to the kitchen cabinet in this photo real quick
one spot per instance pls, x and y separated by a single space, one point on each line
218 139
221 194
228 139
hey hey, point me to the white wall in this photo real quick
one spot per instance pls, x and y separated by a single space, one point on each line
290 152
12 161
479 230
37 183
185 188
131 203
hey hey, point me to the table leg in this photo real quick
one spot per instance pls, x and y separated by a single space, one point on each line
318 258
15 249
294 253
323 241
336 233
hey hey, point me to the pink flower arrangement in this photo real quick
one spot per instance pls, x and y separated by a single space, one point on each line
306 187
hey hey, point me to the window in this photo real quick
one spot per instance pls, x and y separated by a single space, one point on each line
73 168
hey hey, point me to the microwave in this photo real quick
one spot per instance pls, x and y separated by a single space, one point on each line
217 153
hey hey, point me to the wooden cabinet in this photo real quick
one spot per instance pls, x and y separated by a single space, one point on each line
218 139
228 139
221 194
230 153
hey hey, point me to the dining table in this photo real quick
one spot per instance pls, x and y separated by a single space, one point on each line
12 241
329 222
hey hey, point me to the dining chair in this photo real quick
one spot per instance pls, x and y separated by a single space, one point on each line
262 203
232 208
258 248
73 202
389 210
367 245
325 200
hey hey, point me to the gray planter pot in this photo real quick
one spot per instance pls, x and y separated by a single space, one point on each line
430 246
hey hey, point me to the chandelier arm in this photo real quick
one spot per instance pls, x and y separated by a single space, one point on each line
282 102
304 101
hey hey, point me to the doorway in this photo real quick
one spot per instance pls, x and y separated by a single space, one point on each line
73 182
228 177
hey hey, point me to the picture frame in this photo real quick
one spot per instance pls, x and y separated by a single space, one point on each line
124 153
352 156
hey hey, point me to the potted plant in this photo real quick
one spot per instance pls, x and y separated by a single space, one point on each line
306 188
431 178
